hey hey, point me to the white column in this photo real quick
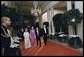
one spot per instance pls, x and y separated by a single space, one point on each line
52 14
69 5
71 31
49 20
40 21
44 18
37 19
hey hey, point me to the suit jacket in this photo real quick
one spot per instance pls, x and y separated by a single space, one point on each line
43 31
39 31
5 40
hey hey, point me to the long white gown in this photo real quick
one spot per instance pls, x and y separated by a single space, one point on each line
27 42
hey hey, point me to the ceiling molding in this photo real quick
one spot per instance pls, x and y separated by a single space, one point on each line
62 5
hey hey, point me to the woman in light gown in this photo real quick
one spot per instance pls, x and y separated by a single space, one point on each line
27 42
33 36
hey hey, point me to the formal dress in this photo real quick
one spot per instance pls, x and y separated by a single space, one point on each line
27 42
33 37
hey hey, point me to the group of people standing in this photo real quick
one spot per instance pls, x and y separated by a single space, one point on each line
34 35
31 36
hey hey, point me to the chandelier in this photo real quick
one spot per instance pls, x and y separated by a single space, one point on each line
36 11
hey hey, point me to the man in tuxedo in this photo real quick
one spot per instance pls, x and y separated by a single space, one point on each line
38 34
45 33
5 37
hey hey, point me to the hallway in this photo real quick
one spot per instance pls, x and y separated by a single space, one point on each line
53 48
63 21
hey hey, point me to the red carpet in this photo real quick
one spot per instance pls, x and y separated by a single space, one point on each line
52 49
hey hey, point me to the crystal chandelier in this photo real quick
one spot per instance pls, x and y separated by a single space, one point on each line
36 11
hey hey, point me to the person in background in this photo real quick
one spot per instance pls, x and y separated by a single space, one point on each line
38 36
20 34
27 42
33 36
28 28
45 34
15 43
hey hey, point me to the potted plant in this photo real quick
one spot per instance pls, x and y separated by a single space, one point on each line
72 18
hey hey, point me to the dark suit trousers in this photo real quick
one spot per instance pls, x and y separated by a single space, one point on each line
45 39
38 40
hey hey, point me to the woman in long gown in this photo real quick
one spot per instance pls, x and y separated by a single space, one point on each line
27 42
33 36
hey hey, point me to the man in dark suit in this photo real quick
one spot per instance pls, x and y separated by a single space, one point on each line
38 34
45 34
5 37
7 46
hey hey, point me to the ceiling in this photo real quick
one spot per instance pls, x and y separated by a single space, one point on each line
27 5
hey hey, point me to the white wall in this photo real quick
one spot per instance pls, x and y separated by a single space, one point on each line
44 17
79 5
69 5
58 11
80 30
